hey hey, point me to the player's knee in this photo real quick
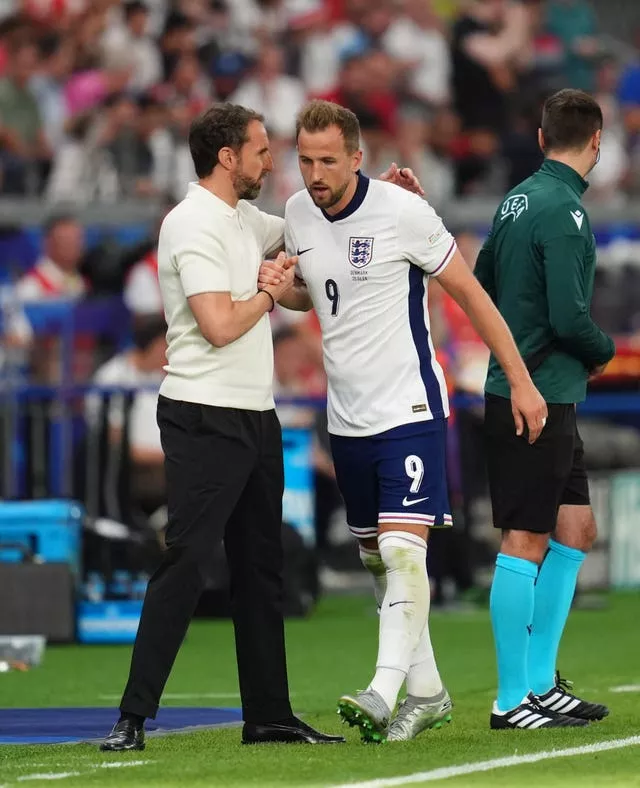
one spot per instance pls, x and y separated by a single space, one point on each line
525 544
370 557
401 551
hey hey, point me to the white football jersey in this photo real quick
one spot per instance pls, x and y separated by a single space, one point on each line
366 269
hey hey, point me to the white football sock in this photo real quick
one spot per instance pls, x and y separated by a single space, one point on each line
373 563
404 611
423 679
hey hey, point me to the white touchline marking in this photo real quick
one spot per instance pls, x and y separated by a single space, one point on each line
65 775
120 764
626 688
498 763
48 776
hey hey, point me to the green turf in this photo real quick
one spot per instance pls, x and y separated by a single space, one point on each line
329 655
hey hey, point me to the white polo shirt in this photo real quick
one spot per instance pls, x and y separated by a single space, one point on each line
206 246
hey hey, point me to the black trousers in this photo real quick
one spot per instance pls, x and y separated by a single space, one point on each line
225 481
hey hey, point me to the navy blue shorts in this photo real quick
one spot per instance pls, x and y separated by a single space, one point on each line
396 476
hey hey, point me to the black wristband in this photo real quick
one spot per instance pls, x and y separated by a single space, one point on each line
273 301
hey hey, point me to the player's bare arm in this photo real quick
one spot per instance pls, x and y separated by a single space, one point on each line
527 403
223 320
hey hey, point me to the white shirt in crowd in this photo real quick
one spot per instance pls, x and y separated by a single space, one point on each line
279 101
142 289
366 270
429 79
208 246
121 49
46 281
143 427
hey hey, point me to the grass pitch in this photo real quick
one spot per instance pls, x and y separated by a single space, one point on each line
330 654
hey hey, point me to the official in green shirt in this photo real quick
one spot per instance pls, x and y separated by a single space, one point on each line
538 266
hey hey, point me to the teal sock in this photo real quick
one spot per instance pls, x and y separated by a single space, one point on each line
553 595
511 605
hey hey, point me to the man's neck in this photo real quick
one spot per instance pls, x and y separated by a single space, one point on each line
221 187
346 197
571 160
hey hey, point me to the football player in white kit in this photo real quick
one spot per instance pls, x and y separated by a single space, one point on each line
365 249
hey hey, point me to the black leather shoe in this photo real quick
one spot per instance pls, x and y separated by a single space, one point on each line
124 736
293 732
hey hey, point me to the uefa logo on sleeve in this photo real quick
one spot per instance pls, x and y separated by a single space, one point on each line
360 251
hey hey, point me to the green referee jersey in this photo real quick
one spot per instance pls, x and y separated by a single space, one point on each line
538 265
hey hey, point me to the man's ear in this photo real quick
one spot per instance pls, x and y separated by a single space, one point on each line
541 140
597 138
226 158
357 160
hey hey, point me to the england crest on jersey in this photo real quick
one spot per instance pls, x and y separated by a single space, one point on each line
360 251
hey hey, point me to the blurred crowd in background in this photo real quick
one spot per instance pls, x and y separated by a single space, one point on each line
96 98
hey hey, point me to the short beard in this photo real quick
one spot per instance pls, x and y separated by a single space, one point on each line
246 188
334 197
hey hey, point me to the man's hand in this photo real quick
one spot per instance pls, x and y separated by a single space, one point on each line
403 177
272 272
277 277
527 405
595 372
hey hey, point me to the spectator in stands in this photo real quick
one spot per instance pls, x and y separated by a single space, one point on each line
129 44
314 52
366 88
140 367
142 287
24 152
272 93
416 40
607 177
187 85
487 40
82 171
140 148
178 38
48 87
56 274
574 23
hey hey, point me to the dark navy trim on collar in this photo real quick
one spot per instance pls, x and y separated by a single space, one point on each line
355 202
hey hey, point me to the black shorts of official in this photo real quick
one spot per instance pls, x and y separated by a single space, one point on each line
529 483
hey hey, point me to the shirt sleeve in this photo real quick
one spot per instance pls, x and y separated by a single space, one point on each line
423 238
565 251
201 262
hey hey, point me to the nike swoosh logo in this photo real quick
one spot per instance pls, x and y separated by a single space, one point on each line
402 602
407 502
304 251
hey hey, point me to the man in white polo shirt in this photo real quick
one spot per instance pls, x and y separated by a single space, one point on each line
220 433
